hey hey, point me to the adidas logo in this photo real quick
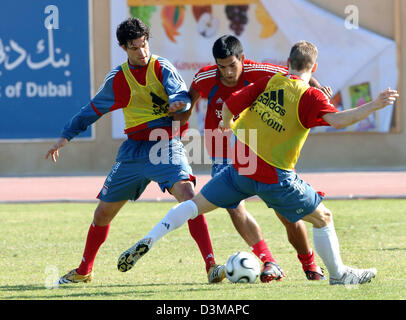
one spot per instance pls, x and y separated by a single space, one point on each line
167 225
219 101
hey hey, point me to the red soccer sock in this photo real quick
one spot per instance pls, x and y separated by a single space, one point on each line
261 250
307 260
95 238
200 233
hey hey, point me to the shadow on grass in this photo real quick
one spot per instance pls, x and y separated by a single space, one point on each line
87 291
389 249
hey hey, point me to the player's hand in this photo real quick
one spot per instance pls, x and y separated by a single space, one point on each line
327 91
175 106
221 125
225 126
385 98
54 151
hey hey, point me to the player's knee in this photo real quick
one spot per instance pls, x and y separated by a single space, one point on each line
183 191
239 214
325 218
187 194
320 218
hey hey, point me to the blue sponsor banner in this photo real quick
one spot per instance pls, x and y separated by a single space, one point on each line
44 66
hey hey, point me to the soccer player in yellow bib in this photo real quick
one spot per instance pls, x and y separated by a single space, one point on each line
230 73
280 111
144 87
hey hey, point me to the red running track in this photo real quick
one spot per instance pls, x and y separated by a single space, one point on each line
337 185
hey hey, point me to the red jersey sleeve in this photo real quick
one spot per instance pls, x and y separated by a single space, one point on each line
158 71
199 89
242 99
122 91
195 81
313 105
256 70
195 86
204 80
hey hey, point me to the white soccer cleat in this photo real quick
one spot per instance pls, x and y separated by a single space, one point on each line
355 276
129 257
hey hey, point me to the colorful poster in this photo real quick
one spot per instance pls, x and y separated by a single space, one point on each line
361 94
348 56
184 32
44 67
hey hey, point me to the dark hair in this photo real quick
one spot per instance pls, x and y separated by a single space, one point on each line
303 56
227 46
132 28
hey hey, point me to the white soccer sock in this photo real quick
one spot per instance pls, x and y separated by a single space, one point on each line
328 248
174 219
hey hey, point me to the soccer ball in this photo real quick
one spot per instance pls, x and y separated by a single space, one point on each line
242 267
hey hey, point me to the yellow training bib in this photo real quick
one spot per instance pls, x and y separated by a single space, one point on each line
274 117
147 102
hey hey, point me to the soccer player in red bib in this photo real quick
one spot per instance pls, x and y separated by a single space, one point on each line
281 109
143 87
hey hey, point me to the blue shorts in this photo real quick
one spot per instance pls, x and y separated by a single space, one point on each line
140 162
291 197
217 167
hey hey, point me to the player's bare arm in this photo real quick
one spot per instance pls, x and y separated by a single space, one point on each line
54 151
348 117
194 96
182 117
314 83
175 106
326 89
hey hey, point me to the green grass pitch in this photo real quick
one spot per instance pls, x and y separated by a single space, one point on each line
41 241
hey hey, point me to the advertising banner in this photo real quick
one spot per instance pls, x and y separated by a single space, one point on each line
355 62
44 67
350 59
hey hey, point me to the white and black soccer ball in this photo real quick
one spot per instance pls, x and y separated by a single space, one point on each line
242 267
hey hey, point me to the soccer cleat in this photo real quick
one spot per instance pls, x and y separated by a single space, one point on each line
216 273
73 277
315 273
355 276
271 271
129 257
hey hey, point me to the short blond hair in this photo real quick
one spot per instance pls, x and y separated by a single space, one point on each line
303 56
